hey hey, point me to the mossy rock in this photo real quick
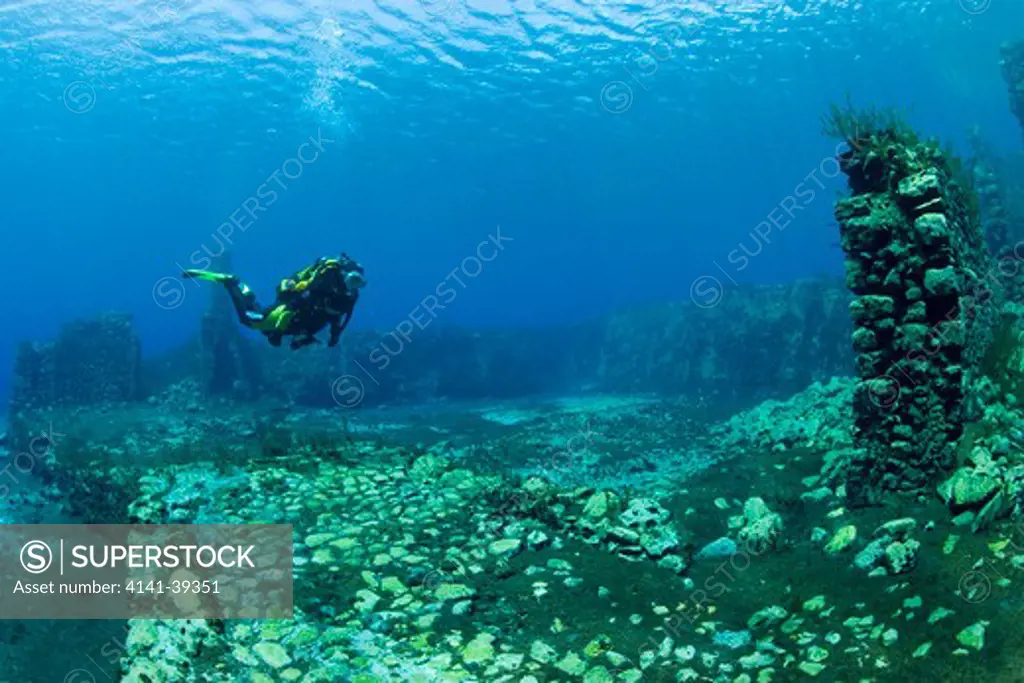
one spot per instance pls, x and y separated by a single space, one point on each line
969 489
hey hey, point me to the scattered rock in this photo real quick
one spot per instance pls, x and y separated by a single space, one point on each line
872 555
968 488
479 650
815 604
811 668
659 543
719 549
453 591
900 528
272 654
734 640
901 557
572 665
644 513
537 540
506 547
542 652
673 563
965 518
973 636
842 540
599 505
763 527
769 616
620 534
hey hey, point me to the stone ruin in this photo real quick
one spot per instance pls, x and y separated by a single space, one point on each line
662 348
999 181
1013 74
92 361
228 365
989 182
923 309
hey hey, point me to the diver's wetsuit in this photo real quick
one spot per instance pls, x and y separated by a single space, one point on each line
307 302
334 309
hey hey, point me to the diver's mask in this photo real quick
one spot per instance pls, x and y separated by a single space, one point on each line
354 281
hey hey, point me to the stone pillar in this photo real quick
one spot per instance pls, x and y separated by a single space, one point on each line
999 182
33 377
228 364
922 311
985 168
1013 74
31 394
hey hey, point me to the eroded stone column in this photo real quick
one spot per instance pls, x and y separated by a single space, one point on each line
1013 74
228 364
922 311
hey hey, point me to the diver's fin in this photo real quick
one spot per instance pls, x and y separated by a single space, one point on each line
197 274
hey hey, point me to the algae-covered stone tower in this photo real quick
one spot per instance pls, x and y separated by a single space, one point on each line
916 263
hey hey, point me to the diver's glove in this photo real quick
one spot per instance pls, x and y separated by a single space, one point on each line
338 326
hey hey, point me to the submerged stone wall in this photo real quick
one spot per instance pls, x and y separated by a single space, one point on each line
757 342
923 311
374 368
91 362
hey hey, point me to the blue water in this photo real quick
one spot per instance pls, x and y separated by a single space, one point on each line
625 148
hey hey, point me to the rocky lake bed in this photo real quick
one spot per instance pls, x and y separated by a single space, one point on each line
602 538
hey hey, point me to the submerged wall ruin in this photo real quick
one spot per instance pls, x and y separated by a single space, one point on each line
759 342
924 305
90 362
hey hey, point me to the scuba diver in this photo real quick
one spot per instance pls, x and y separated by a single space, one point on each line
319 295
